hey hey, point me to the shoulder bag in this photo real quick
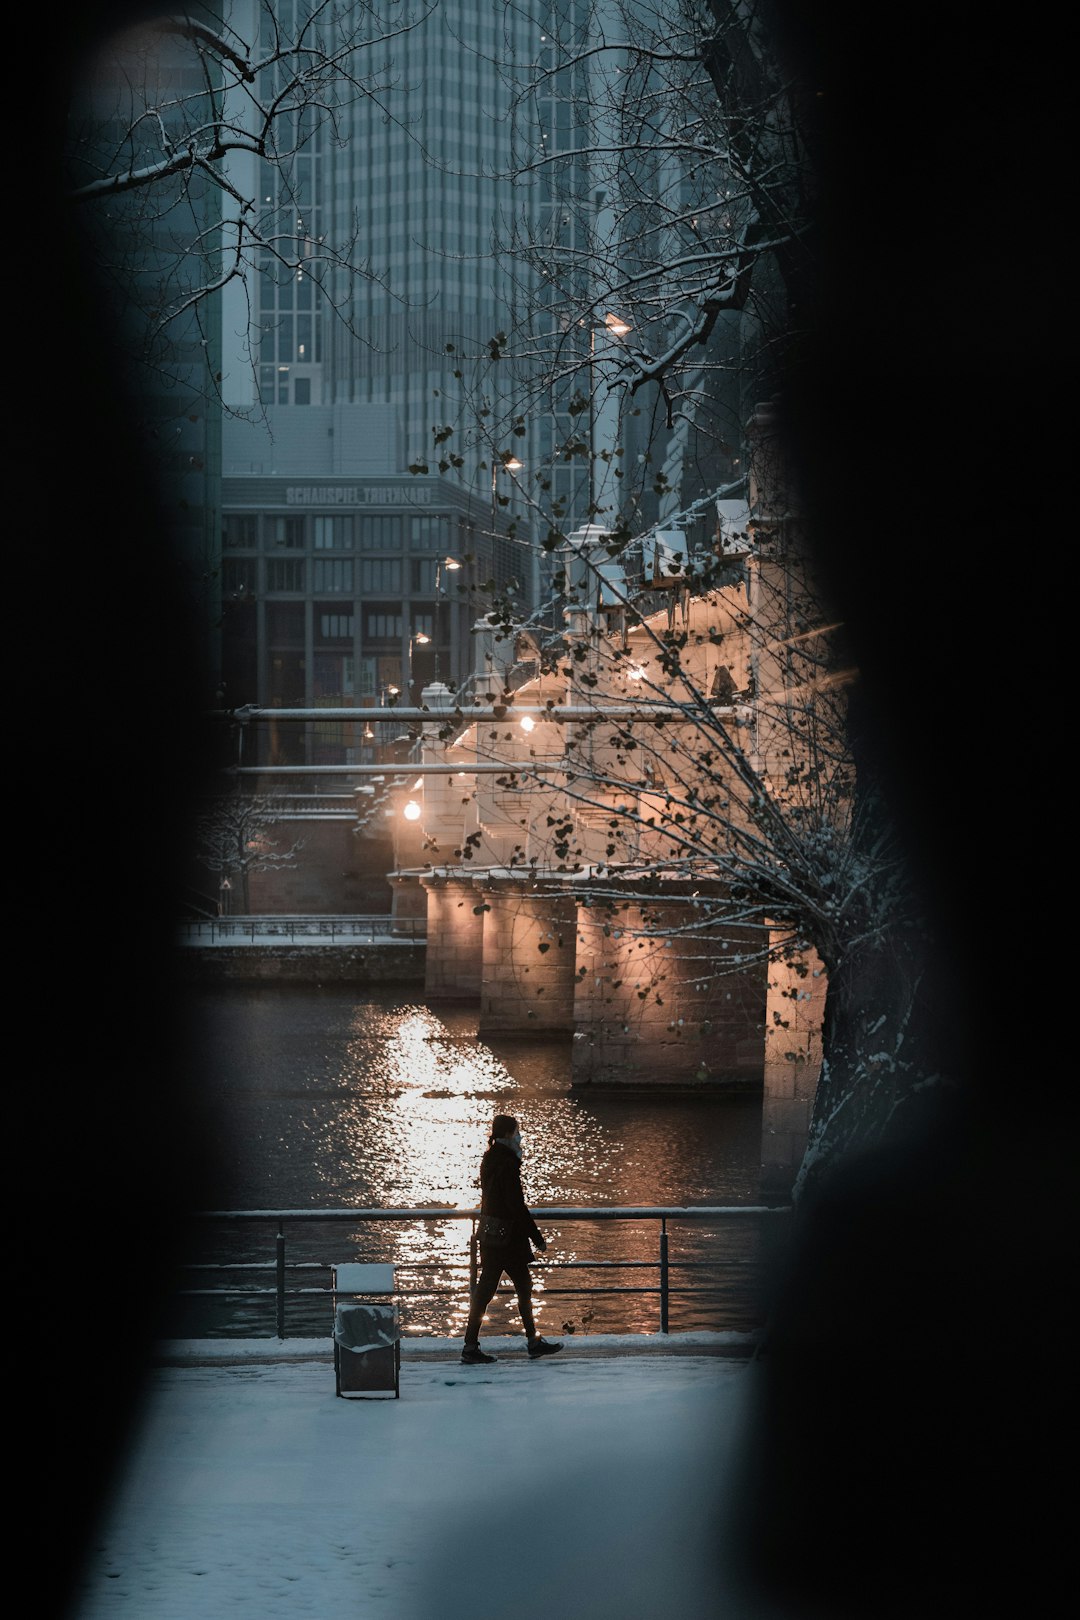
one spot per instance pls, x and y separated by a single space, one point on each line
494 1231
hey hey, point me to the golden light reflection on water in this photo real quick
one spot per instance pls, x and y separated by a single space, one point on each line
331 1102
427 1100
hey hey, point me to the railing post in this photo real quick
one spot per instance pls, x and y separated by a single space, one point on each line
281 1279
663 1275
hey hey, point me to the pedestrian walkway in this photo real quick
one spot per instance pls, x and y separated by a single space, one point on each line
233 1351
589 1484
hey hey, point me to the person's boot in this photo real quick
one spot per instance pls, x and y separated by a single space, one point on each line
540 1347
473 1356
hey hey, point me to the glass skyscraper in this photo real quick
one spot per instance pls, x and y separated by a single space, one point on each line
412 182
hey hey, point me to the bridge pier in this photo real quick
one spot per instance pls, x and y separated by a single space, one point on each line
793 1053
408 905
663 1001
453 969
653 996
527 983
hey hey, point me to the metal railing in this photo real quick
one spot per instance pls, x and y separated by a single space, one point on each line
283 1271
314 807
306 930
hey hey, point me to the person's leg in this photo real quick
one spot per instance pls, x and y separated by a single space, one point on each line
486 1284
522 1280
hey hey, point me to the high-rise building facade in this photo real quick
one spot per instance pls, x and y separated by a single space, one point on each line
463 202
412 184
457 201
346 582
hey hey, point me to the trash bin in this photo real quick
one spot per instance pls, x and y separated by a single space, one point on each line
367 1350
367 1347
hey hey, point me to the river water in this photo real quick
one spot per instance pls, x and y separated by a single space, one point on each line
332 1098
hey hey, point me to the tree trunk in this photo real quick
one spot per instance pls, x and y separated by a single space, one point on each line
880 1047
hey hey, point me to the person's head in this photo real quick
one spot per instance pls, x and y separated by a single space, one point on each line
504 1128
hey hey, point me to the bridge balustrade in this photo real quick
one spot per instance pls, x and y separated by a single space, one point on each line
210 930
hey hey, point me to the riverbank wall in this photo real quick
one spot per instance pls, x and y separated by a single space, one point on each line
371 962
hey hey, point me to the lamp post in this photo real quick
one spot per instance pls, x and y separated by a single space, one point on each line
504 463
388 696
604 413
509 464
449 565
419 638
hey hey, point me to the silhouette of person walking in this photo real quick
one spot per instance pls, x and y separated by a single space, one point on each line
507 1234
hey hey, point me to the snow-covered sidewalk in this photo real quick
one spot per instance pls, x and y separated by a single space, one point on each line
203 1352
589 1485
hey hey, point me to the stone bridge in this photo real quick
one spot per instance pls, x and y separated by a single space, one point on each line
539 845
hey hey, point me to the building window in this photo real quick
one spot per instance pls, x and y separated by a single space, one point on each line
284 531
241 529
383 623
380 533
333 533
428 533
422 576
336 626
334 675
302 391
379 574
238 576
285 574
333 575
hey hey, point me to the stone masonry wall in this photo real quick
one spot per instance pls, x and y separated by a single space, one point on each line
659 1011
529 959
455 940
793 1052
384 963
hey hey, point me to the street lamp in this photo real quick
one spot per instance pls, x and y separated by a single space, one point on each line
509 464
412 809
419 638
449 565
604 415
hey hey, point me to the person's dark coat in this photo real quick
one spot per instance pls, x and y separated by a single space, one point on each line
503 1197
